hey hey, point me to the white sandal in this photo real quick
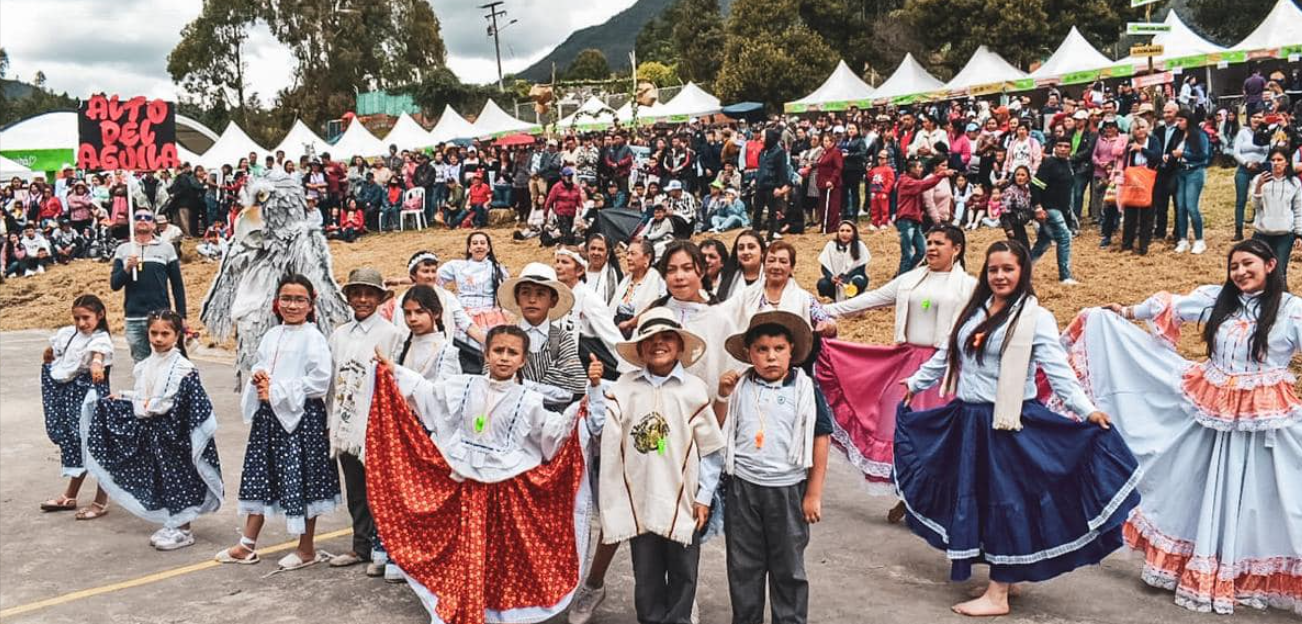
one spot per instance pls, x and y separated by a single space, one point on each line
292 561
225 556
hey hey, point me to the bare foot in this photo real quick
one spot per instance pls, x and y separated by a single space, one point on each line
896 514
1014 591
984 606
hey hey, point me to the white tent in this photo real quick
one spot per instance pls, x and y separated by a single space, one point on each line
451 126
357 141
909 79
691 101
187 156
493 121
984 68
1282 27
10 169
645 114
595 115
1180 42
407 134
231 146
298 138
842 88
1074 55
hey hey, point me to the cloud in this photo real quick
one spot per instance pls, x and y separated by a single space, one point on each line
90 46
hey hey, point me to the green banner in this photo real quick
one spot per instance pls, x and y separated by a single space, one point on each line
41 160
1233 57
1024 84
904 99
1080 77
1290 50
835 106
796 108
1119 71
1187 62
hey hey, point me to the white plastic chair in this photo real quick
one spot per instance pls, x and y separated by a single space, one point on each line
417 213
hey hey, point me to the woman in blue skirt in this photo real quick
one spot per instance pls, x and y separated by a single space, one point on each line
287 466
995 477
152 448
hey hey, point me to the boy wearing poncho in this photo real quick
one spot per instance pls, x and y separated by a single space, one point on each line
776 452
660 465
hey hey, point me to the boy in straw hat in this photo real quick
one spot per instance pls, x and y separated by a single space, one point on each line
539 301
660 465
352 347
776 451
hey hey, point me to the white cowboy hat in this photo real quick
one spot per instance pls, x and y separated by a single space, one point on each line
802 338
536 273
654 321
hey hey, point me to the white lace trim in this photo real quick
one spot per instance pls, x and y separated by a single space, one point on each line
880 471
295 525
1220 378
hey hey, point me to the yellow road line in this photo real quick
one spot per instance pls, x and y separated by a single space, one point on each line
148 579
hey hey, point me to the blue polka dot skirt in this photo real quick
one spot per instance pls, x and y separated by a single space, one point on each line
63 403
289 474
163 468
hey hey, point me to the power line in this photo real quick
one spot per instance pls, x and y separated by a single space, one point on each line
494 31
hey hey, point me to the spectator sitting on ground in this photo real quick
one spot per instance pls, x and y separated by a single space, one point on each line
36 250
730 214
214 241
66 242
167 232
454 210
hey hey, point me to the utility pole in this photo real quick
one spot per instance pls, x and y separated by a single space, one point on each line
493 31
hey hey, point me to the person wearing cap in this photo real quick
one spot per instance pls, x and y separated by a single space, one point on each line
538 301
1083 143
564 200
682 204
65 242
661 459
143 269
353 346
776 445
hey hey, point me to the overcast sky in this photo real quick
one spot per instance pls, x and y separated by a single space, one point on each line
88 46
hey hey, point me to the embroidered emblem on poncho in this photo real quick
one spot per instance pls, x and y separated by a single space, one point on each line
651 433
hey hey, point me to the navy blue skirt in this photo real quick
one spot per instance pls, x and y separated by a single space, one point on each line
289 474
62 401
1032 504
164 468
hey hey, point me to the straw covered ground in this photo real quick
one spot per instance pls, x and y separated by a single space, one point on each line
1106 276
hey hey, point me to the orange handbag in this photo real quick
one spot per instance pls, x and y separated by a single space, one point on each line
1137 187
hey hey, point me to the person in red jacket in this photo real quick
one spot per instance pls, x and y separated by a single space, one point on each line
908 211
564 199
352 223
881 181
478 197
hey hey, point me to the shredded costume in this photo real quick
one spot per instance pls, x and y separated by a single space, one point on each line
1220 442
153 450
65 383
995 477
287 466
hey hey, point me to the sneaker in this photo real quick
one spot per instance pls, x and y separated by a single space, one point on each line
776 236
1105 243
175 540
1198 247
585 603
392 574
160 534
1069 282
1182 246
28 274
40 270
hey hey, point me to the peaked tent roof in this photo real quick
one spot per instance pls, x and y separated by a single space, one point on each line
692 101
1282 27
298 138
598 114
1075 54
357 141
843 86
231 146
451 126
9 169
908 79
407 134
1181 41
645 114
493 121
984 68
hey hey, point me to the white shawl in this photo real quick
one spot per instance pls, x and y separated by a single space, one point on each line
959 282
1014 362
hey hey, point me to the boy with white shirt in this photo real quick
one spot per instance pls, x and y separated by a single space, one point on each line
353 346
539 301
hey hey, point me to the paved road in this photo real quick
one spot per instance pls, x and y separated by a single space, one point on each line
862 570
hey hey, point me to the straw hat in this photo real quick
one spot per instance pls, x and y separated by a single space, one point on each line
536 273
655 321
802 337
367 276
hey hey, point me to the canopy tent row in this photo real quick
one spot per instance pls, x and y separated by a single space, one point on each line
645 114
1076 61
1282 30
1180 42
451 126
691 101
592 115
407 134
47 141
494 122
985 73
298 139
909 83
840 91
10 169
231 146
357 141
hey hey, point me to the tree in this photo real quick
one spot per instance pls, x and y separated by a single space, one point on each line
4 63
697 37
658 74
1230 21
590 64
208 63
655 40
770 55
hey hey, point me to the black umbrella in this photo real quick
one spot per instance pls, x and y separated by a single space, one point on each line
617 224
750 111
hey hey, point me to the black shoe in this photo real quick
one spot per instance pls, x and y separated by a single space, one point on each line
1105 243
1238 237
1143 250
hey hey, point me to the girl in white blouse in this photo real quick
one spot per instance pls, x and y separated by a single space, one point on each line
477 279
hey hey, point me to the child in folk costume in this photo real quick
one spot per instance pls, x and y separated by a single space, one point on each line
76 362
540 301
423 268
995 477
660 464
844 261
428 349
287 467
862 382
487 516
590 321
478 278
152 449
776 451
1220 440
352 349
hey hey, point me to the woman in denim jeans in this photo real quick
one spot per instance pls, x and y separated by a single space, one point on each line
1192 156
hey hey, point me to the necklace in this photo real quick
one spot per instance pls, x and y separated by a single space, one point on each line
491 399
763 419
